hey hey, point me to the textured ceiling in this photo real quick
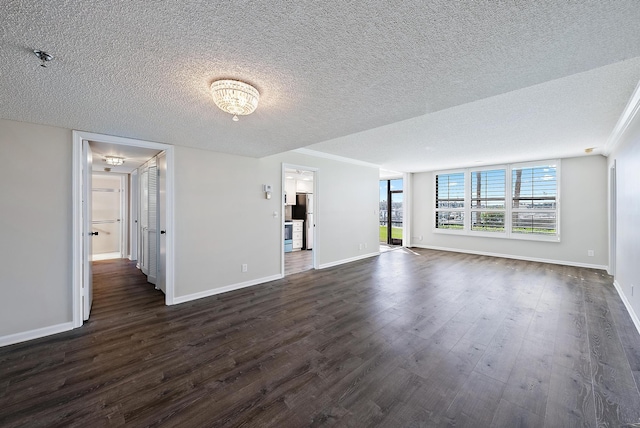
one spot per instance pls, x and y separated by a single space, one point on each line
445 83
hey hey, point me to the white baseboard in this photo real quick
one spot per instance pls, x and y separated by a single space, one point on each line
106 256
511 256
207 293
35 334
349 260
225 289
627 304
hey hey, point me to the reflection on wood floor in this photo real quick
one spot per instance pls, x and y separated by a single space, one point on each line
298 261
386 247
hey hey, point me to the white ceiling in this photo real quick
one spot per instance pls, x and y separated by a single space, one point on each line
133 156
410 86
297 174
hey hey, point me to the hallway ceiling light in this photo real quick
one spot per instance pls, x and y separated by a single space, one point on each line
114 160
235 97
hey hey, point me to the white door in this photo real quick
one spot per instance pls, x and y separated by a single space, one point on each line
310 221
143 225
149 220
152 225
87 280
162 221
134 233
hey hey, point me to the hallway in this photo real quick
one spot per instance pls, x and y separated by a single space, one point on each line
121 290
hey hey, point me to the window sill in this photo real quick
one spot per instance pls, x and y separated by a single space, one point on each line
499 235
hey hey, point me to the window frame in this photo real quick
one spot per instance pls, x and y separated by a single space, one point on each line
461 210
537 237
496 234
508 210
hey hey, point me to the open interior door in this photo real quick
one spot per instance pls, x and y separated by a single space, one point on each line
162 222
87 235
149 220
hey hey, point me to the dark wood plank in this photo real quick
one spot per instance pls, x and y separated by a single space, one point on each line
420 338
528 383
617 401
501 354
512 416
476 403
570 402
627 332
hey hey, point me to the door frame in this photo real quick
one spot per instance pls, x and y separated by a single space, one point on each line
316 211
78 228
613 218
86 296
389 196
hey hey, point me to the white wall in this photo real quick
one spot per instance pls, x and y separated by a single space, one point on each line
583 221
627 265
223 219
35 220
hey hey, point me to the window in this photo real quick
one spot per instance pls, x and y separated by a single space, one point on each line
488 200
450 201
519 201
534 195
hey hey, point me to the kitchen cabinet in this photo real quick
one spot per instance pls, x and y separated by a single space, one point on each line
304 186
297 235
290 191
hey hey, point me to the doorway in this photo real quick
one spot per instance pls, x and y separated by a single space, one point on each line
109 221
300 197
391 213
81 264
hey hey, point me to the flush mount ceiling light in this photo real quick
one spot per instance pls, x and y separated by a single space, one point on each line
114 160
235 97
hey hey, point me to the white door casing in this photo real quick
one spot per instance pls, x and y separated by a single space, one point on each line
316 223
78 227
87 190
162 222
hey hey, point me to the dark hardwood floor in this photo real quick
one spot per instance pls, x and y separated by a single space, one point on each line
407 339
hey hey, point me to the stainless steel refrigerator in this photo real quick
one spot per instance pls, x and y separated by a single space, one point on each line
303 210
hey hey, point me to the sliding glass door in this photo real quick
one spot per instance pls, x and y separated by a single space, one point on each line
391 211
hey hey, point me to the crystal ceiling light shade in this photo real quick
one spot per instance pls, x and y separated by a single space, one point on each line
235 97
114 160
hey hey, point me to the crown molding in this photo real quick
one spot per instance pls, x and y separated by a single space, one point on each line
628 114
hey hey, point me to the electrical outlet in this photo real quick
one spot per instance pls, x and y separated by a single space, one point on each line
360 246
591 253
420 237
245 267
365 245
